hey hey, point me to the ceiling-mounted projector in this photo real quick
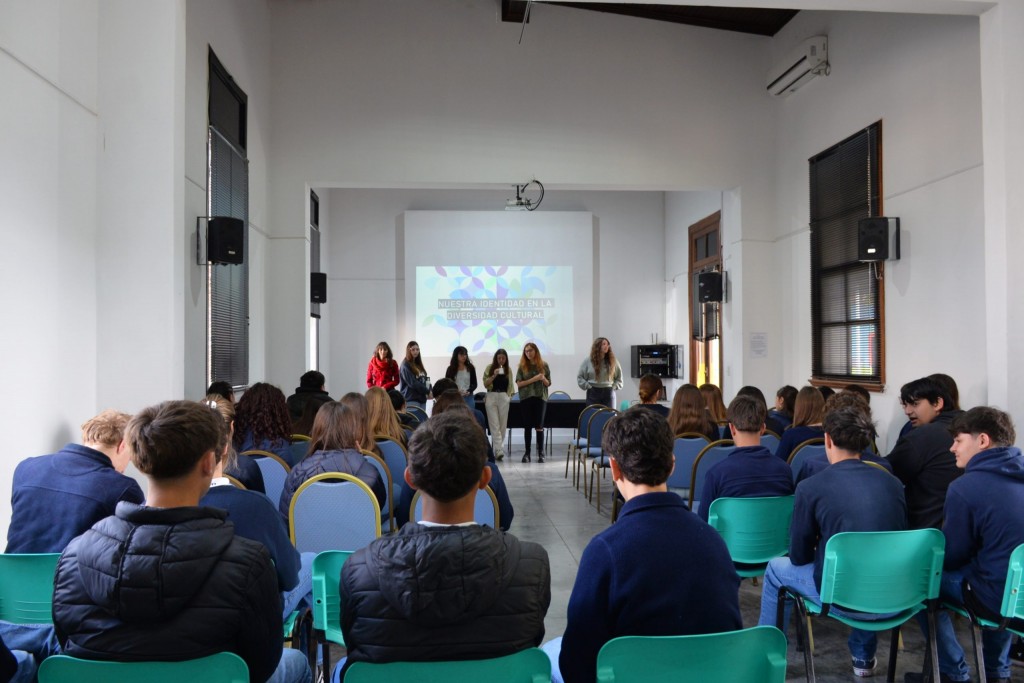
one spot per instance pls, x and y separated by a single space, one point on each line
522 202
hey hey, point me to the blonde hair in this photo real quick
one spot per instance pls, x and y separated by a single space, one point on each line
226 409
107 428
382 416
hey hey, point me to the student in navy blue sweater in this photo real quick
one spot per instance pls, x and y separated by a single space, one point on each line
750 471
810 407
982 527
816 463
823 508
622 588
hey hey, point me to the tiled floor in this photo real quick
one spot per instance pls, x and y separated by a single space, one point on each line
548 510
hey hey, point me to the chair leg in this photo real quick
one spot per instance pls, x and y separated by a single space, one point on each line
326 659
890 674
932 641
804 621
597 466
976 641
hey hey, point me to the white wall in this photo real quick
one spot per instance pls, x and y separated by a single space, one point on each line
48 228
364 279
238 31
919 76
411 94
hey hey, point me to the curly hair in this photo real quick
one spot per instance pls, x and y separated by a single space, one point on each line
597 360
263 413
689 412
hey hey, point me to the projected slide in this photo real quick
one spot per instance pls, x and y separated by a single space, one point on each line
487 307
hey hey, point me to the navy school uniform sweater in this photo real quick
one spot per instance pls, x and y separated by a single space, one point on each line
748 472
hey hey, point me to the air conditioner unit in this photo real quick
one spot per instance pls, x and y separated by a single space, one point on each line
810 59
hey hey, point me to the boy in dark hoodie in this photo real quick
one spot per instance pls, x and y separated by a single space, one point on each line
982 527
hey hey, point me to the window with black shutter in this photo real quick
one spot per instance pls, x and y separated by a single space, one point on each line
227 182
847 302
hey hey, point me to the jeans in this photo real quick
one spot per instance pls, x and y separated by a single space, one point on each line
302 594
995 644
38 640
553 648
800 578
293 668
496 404
26 667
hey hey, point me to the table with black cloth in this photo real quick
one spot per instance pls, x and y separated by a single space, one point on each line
560 414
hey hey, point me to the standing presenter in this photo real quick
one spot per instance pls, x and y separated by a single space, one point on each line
533 379
600 374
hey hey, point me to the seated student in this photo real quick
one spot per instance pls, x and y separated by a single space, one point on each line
658 571
445 588
982 527
223 389
650 393
311 385
172 581
946 382
751 470
405 418
690 414
382 416
770 423
807 413
453 400
921 458
304 425
256 518
817 463
444 384
338 432
56 497
785 403
262 422
825 506
245 470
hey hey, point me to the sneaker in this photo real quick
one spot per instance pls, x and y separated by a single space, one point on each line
864 668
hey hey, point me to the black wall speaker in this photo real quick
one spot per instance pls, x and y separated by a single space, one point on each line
225 240
318 288
878 239
709 287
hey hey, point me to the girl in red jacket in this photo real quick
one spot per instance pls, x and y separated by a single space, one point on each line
383 370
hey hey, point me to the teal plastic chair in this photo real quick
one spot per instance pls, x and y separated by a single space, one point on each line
327 604
526 666
223 667
714 453
1011 612
26 587
895 573
805 451
755 530
485 508
753 654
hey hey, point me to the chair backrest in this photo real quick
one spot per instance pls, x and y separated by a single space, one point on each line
299 450
26 587
333 511
388 506
584 419
223 667
526 666
882 571
559 396
1013 601
770 440
234 482
714 453
755 530
274 470
394 456
804 451
686 448
753 654
596 426
485 508
723 430
298 437
326 594
417 412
